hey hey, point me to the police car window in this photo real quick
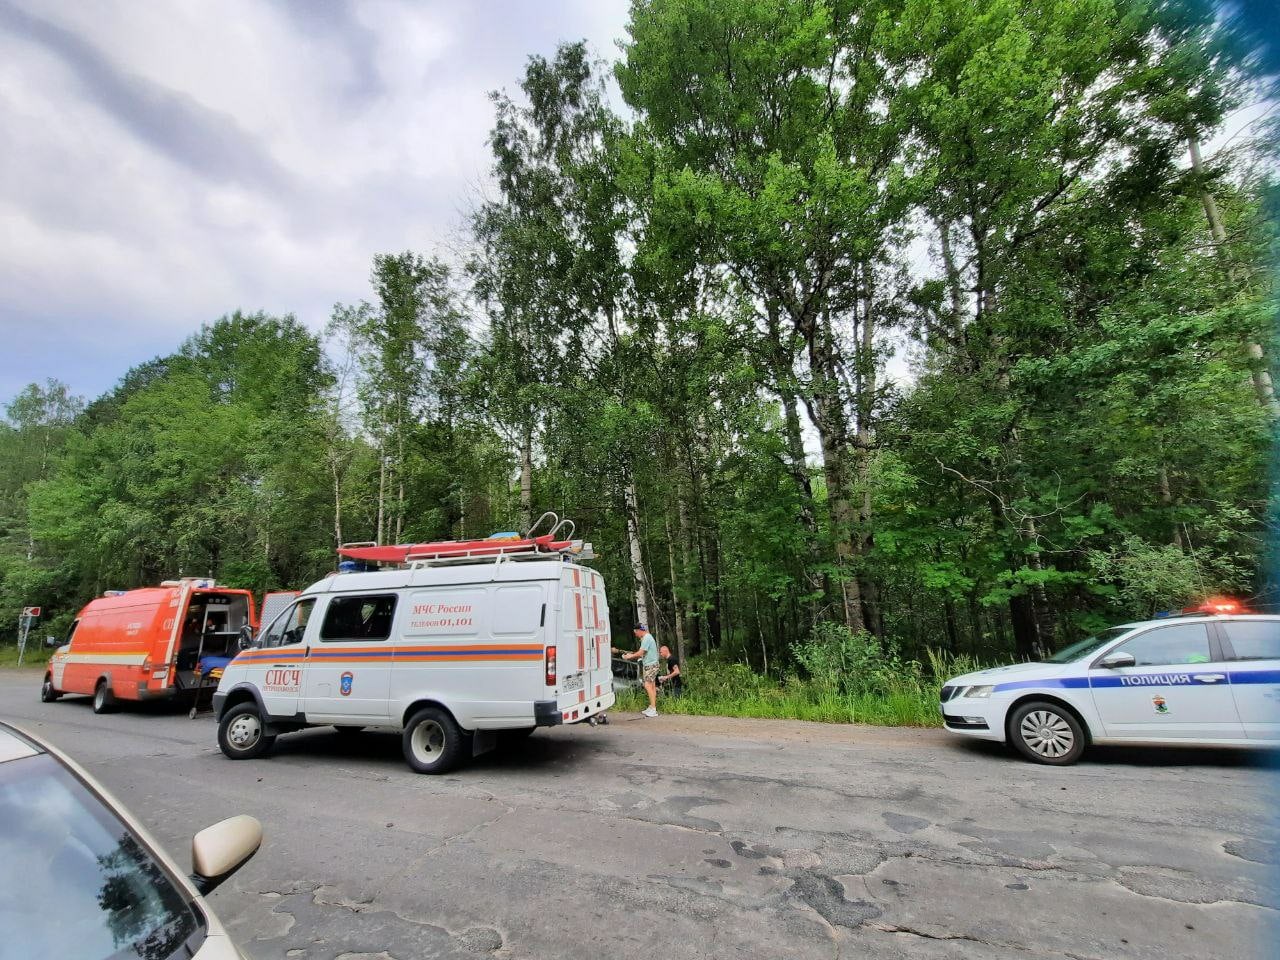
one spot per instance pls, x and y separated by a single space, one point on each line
1254 639
1082 648
359 618
1174 644
290 625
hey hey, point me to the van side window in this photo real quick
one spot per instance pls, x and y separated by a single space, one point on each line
290 625
359 618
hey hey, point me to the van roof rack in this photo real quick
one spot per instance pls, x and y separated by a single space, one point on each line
502 546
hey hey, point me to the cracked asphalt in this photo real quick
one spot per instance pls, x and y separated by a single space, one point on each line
702 837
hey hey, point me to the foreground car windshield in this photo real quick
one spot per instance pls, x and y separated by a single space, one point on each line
77 884
1088 645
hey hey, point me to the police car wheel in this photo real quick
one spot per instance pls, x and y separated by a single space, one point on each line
433 741
103 700
1046 733
47 693
242 735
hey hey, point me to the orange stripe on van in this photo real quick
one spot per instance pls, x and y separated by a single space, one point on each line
577 602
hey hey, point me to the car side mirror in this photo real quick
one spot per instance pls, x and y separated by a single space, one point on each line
1114 660
246 637
220 850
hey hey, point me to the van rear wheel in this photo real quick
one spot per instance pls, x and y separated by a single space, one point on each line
104 700
242 734
47 693
433 742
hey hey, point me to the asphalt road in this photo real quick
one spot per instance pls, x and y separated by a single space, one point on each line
698 837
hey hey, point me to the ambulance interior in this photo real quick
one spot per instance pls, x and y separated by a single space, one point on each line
211 628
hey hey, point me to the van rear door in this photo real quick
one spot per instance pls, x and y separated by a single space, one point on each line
583 665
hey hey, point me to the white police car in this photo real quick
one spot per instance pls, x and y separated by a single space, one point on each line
1191 680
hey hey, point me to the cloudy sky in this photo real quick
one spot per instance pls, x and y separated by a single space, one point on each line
164 164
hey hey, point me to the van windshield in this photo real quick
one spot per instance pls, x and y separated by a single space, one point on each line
1088 645
78 884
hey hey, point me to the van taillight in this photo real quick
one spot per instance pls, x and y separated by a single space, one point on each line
551 666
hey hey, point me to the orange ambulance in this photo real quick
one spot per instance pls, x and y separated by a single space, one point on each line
149 643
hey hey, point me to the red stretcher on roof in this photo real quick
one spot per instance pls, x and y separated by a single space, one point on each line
494 546
446 549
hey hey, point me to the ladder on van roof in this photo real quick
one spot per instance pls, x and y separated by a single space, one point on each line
499 546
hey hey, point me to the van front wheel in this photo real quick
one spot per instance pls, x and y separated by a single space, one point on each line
433 741
47 693
242 734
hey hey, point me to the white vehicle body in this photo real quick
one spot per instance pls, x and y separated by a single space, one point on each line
72 917
1194 680
503 644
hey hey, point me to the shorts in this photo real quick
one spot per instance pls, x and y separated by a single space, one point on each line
650 673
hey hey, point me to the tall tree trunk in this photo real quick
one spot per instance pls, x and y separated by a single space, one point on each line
686 540
711 552
526 477
782 360
865 370
677 614
382 491
399 475
1040 609
1023 619
1262 385
949 625
636 553
975 622
827 414
337 502
1166 498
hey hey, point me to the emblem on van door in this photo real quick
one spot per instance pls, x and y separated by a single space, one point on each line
1159 703
344 685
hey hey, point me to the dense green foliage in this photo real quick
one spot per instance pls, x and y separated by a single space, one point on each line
687 329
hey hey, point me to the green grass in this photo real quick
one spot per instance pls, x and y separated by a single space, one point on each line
892 692
36 657
903 709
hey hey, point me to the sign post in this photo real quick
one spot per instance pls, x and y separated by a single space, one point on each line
29 614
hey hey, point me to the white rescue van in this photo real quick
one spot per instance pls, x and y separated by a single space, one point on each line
449 650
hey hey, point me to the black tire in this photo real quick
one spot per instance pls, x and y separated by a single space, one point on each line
104 700
348 731
242 733
433 742
1046 732
47 693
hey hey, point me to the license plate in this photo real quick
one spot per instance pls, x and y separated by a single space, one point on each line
575 681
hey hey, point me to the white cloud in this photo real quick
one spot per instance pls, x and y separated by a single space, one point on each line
165 164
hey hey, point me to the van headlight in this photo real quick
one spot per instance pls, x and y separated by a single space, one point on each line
977 693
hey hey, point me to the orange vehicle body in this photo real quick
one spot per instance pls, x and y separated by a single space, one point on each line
147 643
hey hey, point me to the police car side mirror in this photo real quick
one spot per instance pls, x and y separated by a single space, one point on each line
1113 660
219 851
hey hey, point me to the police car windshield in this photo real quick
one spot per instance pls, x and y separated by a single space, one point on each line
77 883
1088 645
